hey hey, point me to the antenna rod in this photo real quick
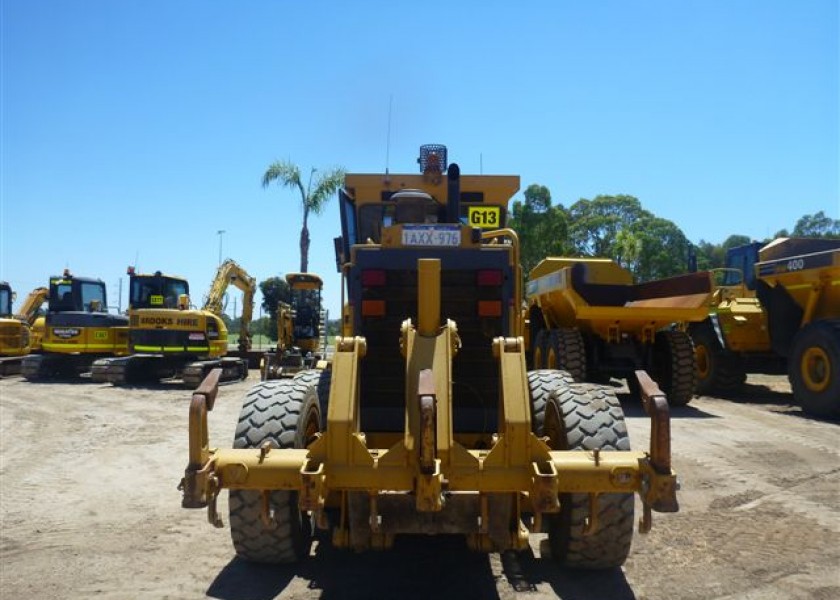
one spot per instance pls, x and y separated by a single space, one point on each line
388 141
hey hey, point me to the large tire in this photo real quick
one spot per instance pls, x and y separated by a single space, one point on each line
566 352
814 368
322 380
588 417
716 368
540 349
541 383
673 366
285 413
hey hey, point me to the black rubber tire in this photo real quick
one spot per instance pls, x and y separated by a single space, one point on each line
570 353
716 368
322 379
540 349
285 413
814 368
541 383
673 366
586 417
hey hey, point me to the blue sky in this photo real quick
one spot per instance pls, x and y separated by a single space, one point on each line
133 131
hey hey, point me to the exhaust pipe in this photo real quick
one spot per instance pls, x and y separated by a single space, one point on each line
453 193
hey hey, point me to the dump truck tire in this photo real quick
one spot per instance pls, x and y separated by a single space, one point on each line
540 351
588 417
814 368
541 383
673 366
566 352
284 413
716 369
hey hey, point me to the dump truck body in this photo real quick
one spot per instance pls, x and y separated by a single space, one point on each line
587 316
428 421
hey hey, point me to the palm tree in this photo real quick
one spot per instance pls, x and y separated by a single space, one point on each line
312 200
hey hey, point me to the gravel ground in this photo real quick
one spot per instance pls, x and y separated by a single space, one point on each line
89 508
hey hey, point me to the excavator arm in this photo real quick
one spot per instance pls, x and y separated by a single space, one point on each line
230 272
29 309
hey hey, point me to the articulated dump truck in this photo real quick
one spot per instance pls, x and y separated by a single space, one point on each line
782 316
428 422
588 317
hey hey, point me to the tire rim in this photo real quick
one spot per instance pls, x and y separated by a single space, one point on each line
816 369
312 429
701 356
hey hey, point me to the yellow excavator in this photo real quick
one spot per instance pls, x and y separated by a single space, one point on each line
77 329
15 340
169 339
30 313
298 330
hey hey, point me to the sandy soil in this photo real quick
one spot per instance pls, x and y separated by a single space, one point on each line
89 508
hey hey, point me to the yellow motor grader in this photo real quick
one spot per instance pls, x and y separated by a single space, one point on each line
428 422
299 326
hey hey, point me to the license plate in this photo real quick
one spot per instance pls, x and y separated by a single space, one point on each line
431 235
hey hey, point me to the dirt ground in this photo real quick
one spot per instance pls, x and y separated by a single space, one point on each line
89 508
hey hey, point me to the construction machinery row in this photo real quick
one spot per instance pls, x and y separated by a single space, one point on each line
161 337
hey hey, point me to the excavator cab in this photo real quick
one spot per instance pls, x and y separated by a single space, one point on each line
76 294
6 297
156 291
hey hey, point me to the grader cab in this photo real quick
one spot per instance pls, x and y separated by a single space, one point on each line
428 422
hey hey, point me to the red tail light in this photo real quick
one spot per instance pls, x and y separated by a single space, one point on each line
373 278
489 277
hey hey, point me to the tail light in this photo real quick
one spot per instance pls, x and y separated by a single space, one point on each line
373 278
488 277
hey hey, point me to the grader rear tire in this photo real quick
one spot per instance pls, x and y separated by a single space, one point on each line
322 380
285 413
586 417
541 383
814 368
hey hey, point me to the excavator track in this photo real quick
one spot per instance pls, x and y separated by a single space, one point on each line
233 369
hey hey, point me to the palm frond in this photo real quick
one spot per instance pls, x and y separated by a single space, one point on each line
287 173
324 187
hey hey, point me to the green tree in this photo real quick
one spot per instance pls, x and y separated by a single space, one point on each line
817 225
662 249
733 241
543 229
595 223
311 200
274 290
